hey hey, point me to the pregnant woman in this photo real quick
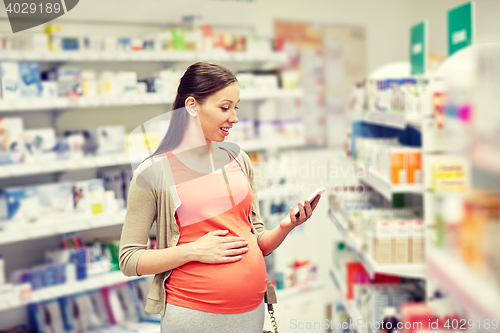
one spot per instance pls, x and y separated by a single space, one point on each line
209 268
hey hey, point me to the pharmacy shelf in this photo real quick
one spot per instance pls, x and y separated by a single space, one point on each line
89 284
41 104
297 290
464 284
158 56
384 187
389 119
87 162
349 305
372 267
21 231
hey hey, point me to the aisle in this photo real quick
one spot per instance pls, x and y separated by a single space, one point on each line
313 239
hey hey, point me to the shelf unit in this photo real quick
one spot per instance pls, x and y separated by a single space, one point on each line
349 305
382 186
296 290
11 234
475 292
406 270
385 187
17 232
61 103
141 56
89 284
117 159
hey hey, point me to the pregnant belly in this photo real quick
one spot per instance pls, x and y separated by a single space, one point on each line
221 288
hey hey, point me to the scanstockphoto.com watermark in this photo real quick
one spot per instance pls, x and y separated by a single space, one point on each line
431 325
304 179
354 325
310 170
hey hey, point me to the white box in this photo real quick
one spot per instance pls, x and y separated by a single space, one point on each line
401 241
89 196
11 140
56 200
39 145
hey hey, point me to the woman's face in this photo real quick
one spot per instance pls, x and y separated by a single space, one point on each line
218 113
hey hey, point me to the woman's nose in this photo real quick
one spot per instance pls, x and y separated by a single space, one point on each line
233 118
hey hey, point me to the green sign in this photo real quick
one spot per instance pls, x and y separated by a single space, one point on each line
418 48
460 27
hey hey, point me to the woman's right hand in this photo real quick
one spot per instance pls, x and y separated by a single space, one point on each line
215 248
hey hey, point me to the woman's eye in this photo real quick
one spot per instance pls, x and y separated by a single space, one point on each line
225 109
236 108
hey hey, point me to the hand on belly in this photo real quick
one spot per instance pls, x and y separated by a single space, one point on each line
215 248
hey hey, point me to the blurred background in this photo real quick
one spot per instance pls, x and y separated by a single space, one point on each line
391 105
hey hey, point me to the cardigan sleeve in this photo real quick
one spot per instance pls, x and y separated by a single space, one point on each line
141 213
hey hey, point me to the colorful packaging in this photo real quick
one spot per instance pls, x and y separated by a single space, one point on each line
11 140
414 166
398 165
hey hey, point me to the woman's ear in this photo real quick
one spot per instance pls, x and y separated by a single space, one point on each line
191 107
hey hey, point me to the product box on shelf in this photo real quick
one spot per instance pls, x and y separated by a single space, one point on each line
89 196
127 175
56 200
90 86
21 204
30 42
69 82
109 139
40 144
30 83
397 158
10 81
383 239
113 180
11 140
401 244
417 240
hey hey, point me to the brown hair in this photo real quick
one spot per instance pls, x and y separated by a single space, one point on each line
200 81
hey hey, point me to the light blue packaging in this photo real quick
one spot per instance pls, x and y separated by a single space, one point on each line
4 209
30 83
9 80
55 200
22 204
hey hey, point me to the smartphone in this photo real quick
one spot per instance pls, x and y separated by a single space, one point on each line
311 198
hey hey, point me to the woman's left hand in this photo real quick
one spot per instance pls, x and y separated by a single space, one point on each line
306 210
